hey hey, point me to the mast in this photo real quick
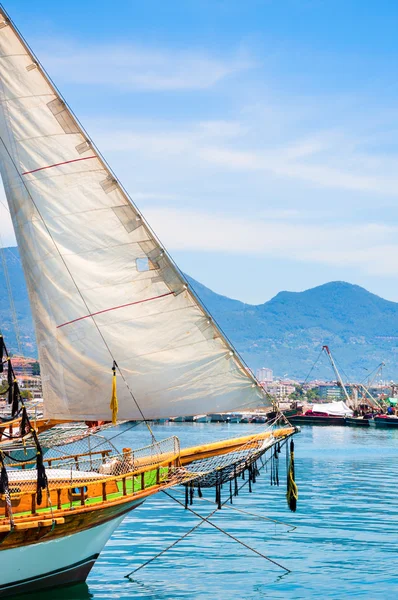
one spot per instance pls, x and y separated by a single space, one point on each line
372 398
83 241
340 381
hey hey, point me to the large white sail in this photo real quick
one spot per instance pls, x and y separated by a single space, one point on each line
101 287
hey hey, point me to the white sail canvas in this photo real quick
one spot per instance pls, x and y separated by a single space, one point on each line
101 287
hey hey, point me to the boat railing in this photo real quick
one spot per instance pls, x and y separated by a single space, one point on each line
130 476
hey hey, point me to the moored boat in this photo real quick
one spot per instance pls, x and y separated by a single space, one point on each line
202 419
358 421
217 418
259 419
316 418
386 421
232 418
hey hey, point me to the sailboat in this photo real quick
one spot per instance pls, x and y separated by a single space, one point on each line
114 319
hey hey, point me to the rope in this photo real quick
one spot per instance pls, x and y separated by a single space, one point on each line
169 547
250 514
204 520
312 368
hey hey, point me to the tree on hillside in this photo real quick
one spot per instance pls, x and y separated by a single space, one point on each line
36 369
298 393
312 395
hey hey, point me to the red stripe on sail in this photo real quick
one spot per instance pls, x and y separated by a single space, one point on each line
100 312
66 162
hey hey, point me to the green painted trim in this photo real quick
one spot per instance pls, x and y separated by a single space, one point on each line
149 481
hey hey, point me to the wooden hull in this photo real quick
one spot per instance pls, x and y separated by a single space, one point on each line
315 420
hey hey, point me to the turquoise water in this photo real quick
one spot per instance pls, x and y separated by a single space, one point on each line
345 541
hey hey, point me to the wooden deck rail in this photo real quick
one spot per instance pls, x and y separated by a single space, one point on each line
110 489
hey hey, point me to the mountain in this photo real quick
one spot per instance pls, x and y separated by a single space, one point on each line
21 303
285 333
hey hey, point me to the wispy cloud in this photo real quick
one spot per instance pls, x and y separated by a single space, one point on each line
131 67
365 246
326 159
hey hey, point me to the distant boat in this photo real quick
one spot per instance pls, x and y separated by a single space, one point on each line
232 418
202 419
386 421
331 413
259 419
358 421
217 418
317 418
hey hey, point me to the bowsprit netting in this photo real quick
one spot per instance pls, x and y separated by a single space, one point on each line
215 471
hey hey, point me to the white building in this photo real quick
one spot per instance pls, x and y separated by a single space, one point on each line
265 375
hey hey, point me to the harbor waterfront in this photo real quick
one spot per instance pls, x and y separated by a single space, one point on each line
344 544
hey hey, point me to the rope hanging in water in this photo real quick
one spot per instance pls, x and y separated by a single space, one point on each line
275 464
292 489
114 405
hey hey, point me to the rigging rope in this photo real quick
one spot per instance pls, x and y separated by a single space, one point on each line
250 514
312 368
201 522
206 520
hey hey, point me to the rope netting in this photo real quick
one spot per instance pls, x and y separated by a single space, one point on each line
220 468
88 459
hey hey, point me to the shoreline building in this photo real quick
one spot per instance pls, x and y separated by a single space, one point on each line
264 375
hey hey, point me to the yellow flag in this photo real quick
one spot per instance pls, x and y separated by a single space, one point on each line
114 403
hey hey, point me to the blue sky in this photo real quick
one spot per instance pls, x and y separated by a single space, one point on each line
259 138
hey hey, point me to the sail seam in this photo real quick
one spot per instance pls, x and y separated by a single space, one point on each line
100 312
66 162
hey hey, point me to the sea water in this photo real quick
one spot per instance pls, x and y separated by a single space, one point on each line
341 543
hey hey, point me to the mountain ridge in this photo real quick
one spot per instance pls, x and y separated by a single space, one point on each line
284 333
